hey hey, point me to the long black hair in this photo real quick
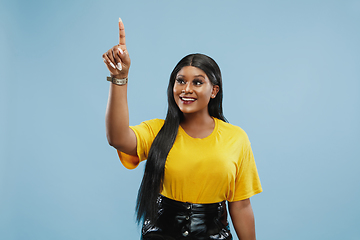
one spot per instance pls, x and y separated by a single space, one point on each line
146 206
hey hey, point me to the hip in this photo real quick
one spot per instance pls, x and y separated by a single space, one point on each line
180 220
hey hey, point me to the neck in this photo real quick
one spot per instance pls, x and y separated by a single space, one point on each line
197 118
198 125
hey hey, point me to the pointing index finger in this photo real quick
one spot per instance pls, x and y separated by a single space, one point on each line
121 33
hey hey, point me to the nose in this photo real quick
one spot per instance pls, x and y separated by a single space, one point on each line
188 88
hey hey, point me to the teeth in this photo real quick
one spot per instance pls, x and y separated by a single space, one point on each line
188 99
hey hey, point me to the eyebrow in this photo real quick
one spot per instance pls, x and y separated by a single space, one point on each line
194 76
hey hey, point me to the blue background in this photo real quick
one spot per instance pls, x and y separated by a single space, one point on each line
291 72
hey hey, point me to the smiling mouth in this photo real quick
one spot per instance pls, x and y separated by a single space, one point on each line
187 100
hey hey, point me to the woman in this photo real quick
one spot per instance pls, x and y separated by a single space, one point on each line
195 159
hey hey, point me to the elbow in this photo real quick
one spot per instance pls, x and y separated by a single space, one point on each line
114 138
122 141
113 142
117 143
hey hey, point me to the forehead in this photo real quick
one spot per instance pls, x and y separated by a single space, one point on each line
191 71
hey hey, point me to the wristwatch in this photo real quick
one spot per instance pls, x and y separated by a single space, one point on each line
117 81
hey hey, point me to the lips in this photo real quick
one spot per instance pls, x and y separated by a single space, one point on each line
187 100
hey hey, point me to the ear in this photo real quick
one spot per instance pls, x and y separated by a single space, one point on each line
214 91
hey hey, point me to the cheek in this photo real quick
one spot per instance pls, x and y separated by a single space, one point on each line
174 88
174 91
177 90
207 93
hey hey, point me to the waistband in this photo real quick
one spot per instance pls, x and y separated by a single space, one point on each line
186 206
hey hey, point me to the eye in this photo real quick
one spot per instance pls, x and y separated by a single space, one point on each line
197 82
180 81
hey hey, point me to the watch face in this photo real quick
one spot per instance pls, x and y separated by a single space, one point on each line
120 81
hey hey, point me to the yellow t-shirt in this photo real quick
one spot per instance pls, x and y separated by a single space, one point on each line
208 170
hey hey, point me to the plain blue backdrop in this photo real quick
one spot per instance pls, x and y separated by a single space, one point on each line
291 72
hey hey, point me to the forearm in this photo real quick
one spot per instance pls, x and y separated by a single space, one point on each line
117 115
242 217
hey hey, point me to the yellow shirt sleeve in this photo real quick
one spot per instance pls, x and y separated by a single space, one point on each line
247 182
145 134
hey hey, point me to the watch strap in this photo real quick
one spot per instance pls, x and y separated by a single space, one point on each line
117 81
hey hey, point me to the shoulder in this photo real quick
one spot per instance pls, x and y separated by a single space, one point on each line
154 125
148 129
154 122
232 131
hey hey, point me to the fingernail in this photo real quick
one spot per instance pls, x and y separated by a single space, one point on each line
120 20
121 51
111 64
119 66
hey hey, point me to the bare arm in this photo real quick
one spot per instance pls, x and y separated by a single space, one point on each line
118 133
242 217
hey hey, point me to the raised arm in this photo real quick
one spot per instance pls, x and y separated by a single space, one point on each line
242 217
118 133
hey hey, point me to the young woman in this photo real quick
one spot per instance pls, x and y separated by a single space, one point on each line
195 159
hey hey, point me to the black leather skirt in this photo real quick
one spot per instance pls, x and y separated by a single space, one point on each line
188 221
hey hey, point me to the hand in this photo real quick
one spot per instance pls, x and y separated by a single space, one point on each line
117 59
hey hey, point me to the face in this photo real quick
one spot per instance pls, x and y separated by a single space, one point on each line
193 90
